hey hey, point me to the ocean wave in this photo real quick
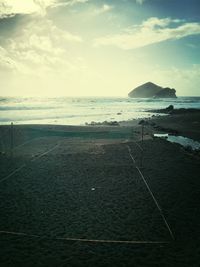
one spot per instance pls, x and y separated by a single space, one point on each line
66 116
168 100
7 108
3 99
76 111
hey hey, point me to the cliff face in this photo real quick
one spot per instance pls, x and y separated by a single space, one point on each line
150 89
166 92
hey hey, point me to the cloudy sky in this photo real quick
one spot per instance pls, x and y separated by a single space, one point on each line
98 47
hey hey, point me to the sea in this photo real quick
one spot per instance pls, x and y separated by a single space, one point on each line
83 110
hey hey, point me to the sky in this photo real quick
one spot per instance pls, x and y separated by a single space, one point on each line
98 47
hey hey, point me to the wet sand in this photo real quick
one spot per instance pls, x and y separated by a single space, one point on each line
181 122
81 183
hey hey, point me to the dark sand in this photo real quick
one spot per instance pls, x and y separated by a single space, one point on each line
80 182
181 122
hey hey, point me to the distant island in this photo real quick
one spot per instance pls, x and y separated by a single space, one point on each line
150 89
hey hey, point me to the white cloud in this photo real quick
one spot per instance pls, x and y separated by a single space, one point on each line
106 7
8 7
140 2
153 30
11 7
58 3
41 44
153 21
7 63
74 2
103 9
5 10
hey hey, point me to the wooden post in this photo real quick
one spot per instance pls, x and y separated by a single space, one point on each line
142 150
132 134
142 133
11 138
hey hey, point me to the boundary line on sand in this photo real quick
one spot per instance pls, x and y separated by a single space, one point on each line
84 239
27 142
152 195
25 164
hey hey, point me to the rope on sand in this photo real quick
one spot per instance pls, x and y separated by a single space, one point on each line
45 153
25 143
84 239
25 164
151 193
12 173
158 206
138 145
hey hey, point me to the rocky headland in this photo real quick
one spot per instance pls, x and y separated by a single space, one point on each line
149 90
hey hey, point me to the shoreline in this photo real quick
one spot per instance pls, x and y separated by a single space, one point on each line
66 112
184 122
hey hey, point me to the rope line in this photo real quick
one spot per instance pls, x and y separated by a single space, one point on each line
113 241
27 142
45 153
85 239
140 147
25 164
152 195
12 173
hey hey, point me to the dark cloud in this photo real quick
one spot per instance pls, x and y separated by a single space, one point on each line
12 26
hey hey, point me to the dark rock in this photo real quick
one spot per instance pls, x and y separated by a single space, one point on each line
143 122
170 108
104 123
166 110
166 93
150 89
146 90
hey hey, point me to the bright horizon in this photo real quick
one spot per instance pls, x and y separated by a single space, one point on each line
85 48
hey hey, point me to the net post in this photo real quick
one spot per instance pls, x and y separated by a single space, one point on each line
11 138
142 150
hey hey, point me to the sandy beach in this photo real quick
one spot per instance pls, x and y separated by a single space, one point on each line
99 195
